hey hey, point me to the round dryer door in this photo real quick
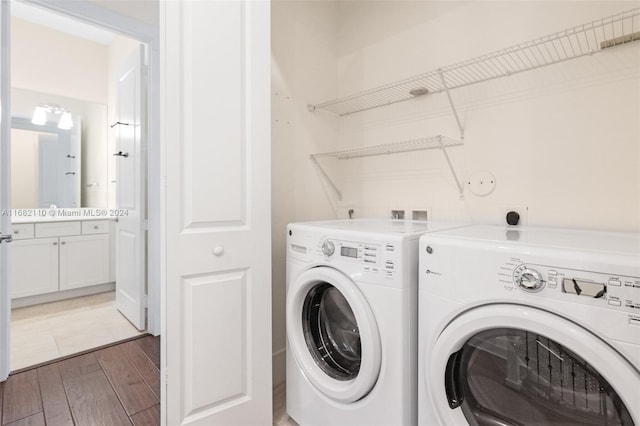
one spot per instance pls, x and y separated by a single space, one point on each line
513 365
333 334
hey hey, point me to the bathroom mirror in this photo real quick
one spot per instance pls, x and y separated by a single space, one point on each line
45 164
52 166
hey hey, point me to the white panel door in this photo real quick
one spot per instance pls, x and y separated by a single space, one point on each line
5 189
131 191
216 133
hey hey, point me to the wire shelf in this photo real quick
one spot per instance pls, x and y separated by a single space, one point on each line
432 142
571 43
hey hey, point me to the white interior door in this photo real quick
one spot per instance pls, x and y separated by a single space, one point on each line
216 341
5 189
131 190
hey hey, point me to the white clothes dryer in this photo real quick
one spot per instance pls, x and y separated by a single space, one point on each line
529 327
352 321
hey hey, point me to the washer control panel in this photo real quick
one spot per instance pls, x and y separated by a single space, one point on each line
376 258
616 291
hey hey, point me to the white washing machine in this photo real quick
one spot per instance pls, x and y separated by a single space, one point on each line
529 327
352 321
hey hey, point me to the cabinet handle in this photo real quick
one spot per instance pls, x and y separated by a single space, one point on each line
95 227
16 232
55 244
63 242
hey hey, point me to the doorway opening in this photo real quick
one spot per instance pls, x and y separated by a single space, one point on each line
78 190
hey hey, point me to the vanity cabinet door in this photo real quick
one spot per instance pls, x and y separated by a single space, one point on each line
34 267
84 261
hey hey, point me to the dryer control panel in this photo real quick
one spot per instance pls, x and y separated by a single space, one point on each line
375 258
616 291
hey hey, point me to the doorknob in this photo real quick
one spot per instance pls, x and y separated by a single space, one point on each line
6 238
121 154
70 173
218 251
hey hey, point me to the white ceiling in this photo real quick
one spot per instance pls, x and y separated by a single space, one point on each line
60 23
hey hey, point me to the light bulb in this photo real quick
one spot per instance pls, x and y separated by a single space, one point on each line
39 116
65 121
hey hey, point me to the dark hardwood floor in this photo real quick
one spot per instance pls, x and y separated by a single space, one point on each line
118 385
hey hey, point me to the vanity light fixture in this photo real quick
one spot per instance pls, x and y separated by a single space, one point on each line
40 115
65 121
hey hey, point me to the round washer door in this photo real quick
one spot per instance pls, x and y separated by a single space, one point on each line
517 365
333 334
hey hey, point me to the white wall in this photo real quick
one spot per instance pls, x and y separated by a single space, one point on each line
561 141
304 66
48 61
24 169
52 67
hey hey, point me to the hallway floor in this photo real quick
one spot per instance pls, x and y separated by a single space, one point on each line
49 331
118 385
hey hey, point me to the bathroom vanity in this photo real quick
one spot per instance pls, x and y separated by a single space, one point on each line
58 258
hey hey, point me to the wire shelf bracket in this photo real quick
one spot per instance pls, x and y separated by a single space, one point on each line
582 40
440 142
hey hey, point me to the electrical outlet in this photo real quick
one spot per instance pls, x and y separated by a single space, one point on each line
523 212
397 214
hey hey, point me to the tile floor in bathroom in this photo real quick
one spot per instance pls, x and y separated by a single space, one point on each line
48 331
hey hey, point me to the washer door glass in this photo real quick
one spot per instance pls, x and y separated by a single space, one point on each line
331 332
509 376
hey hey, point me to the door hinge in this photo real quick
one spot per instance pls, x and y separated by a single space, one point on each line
6 238
145 301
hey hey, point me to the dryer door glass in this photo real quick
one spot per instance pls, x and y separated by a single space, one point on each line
331 332
509 376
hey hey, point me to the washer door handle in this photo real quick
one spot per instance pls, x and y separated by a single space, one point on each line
452 380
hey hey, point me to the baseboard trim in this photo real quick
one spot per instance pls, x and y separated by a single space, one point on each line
279 367
61 295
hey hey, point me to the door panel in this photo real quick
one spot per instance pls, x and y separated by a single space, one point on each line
5 189
84 261
216 312
27 280
217 338
131 191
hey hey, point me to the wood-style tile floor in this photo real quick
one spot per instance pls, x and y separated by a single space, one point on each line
118 385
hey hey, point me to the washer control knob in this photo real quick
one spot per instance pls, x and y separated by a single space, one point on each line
529 280
328 248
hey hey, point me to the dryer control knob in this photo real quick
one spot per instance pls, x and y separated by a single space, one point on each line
529 280
328 248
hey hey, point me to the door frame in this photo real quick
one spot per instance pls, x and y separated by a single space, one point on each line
144 33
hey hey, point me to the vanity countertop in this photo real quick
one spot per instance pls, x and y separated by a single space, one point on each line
60 215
